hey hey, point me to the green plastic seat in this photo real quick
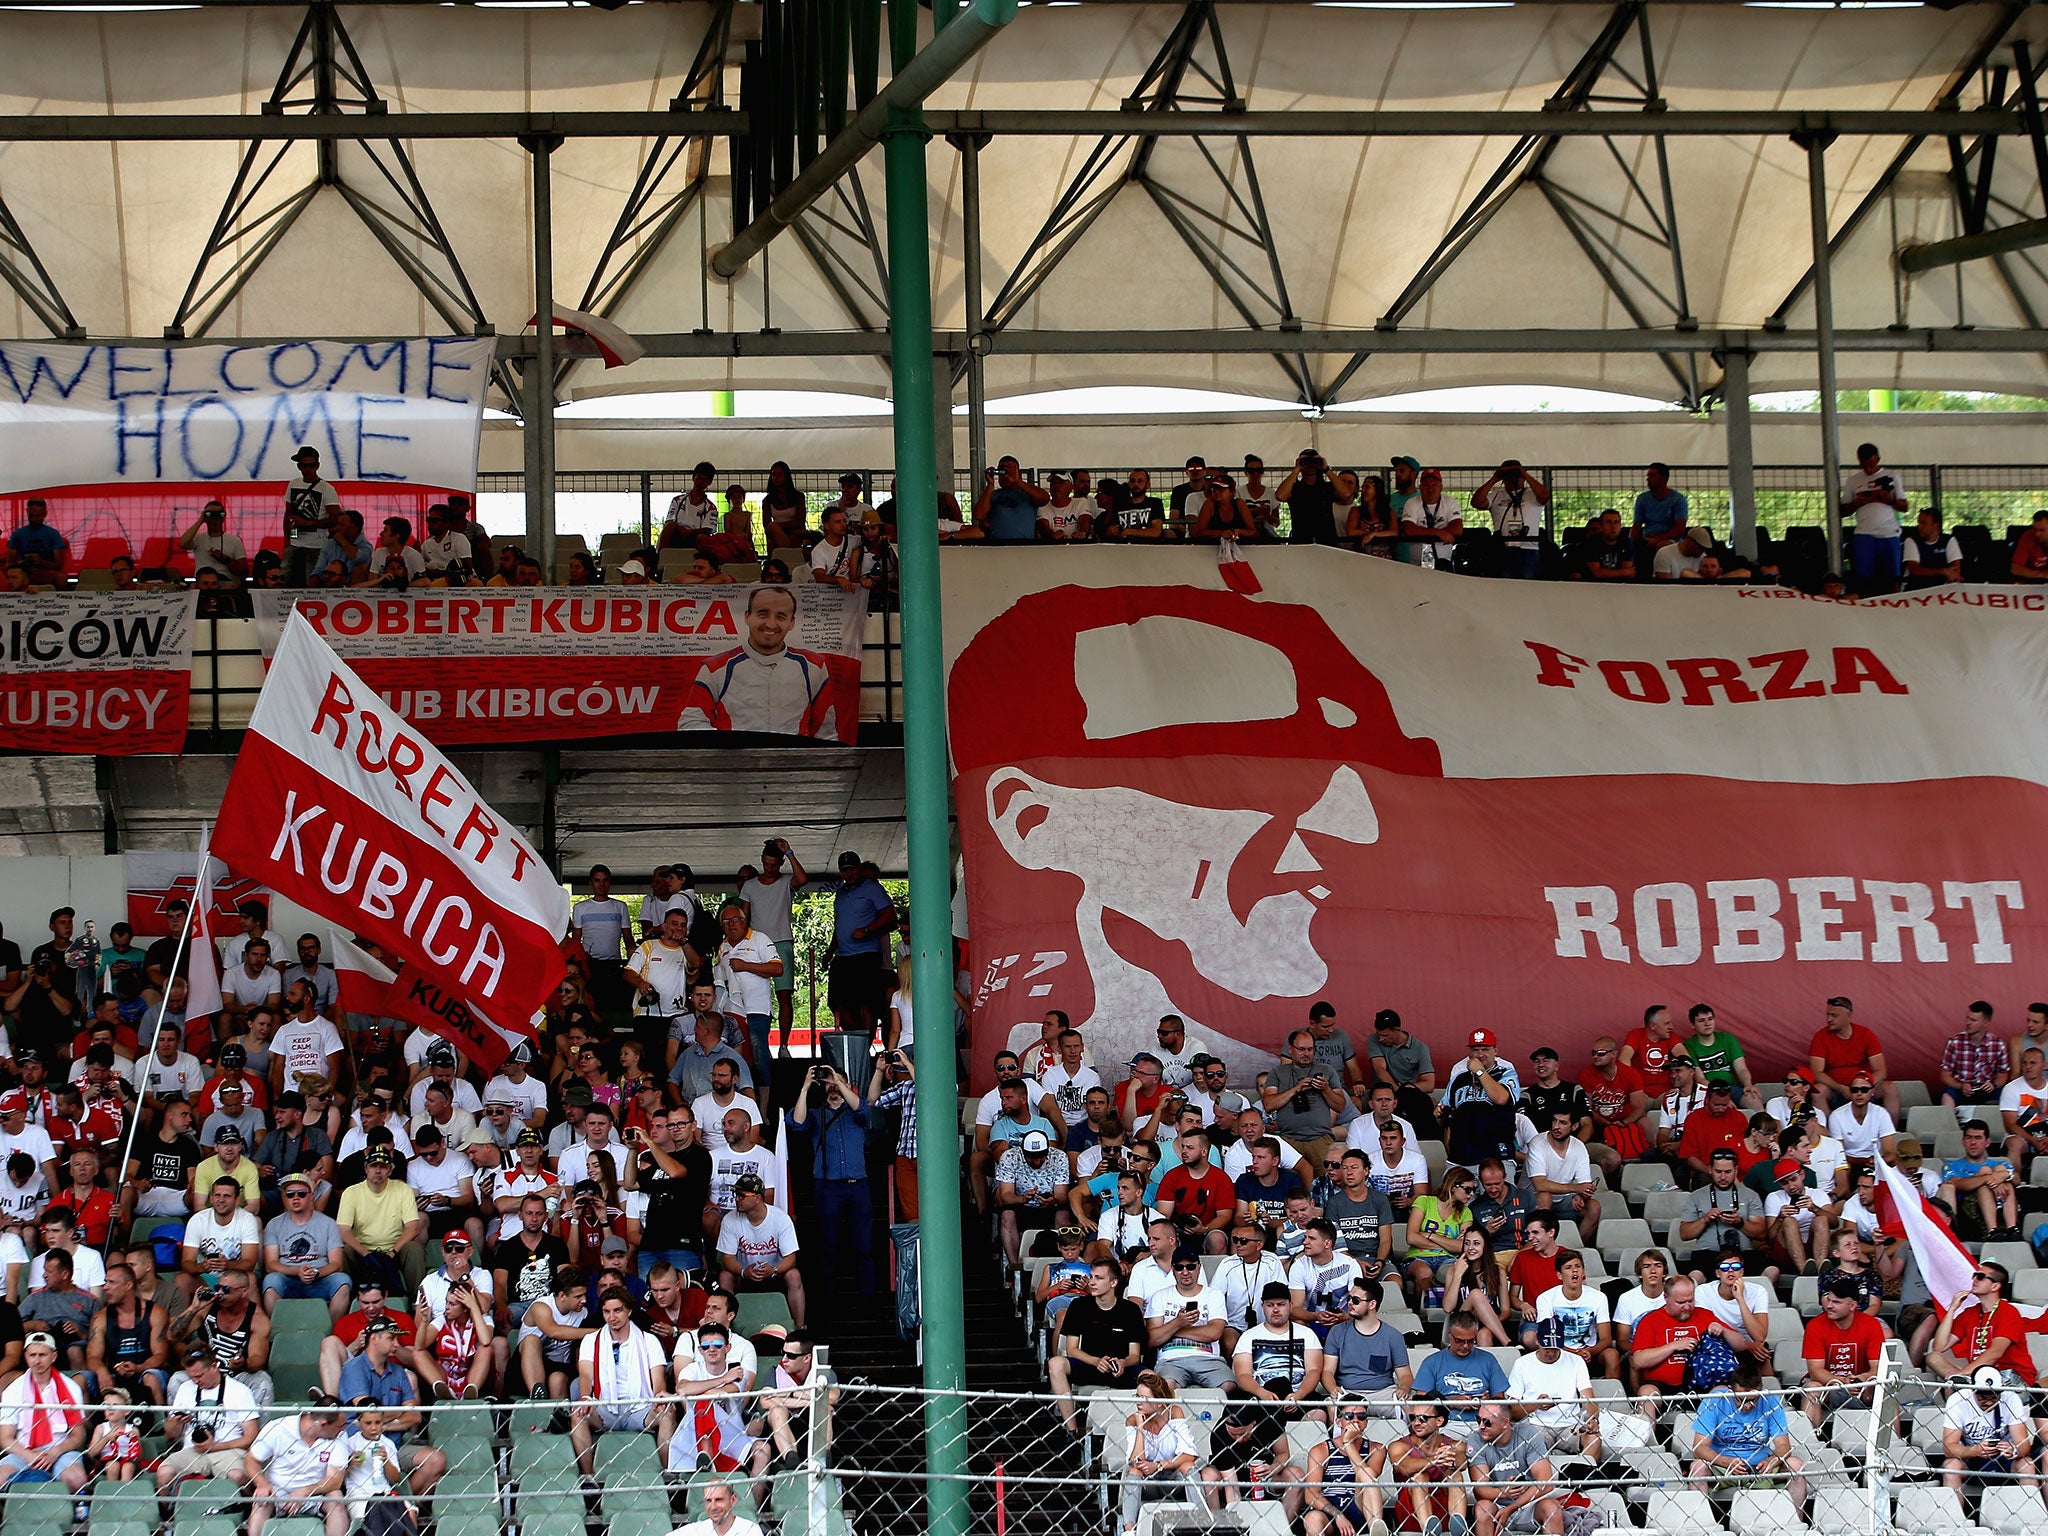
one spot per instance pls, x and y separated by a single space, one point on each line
638 1522
760 1309
531 1416
119 1501
463 1451
533 1453
200 1499
306 1316
628 1458
38 1507
461 1424
294 1349
211 1525
295 1380
555 1520
295 1525
468 1521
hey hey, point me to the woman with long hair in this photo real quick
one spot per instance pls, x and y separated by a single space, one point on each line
1161 1460
784 510
1370 528
584 570
1435 1223
1475 1282
1223 516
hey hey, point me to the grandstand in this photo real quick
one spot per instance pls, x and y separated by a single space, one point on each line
1404 1074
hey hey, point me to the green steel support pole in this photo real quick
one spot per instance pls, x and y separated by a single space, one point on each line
926 795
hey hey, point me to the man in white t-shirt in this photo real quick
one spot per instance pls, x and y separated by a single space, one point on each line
517 1086
618 1368
1798 1215
597 1136
301 1468
1397 1170
659 974
213 548
710 1109
169 1068
255 983
1583 1316
757 1246
223 1413
1559 1394
839 559
221 1235
1320 1280
1184 1323
1516 501
743 1154
771 897
1562 1174
1743 1304
748 964
310 505
1068 1079
305 1045
445 548
1872 498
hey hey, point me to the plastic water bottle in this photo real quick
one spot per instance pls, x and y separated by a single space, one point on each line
1429 557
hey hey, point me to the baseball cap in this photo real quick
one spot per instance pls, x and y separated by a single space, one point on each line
750 1183
234 1056
478 1138
440 1054
578 1094
13 1102
530 1138
1799 1075
295 1178
234 1085
521 1053
1035 1141
1482 1037
1543 1051
376 1154
1406 458
455 1242
228 1134
615 1244
1200 1060
632 568
1276 1290
291 1098
1549 1334
1860 1080
849 860
1727 1088
380 1325
1785 1167
1907 1146
1987 1378
1232 1103
47 1341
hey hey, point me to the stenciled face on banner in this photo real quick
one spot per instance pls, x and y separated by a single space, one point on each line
1176 799
1226 898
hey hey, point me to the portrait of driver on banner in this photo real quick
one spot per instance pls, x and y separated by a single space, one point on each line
1199 850
765 683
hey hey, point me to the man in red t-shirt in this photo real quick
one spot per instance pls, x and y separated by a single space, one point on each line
1139 1094
345 1341
1719 1124
1982 1328
1663 1342
1650 1049
1198 1197
1841 1352
2030 552
1839 1050
1620 1098
1534 1269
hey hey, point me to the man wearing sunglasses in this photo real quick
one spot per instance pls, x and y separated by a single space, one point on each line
1184 1325
1366 1358
788 1410
303 1253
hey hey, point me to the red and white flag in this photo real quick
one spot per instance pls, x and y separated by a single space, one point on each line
1945 1264
615 344
202 959
362 981
1236 570
341 806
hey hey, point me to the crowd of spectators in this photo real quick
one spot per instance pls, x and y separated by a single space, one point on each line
1403 1259
1355 1236
1502 526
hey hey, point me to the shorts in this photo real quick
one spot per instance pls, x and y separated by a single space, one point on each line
1872 555
1835 1399
19 1464
610 1417
1196 1371
1523 1519
1437 1262
197 1461
785 950
292 1288
857 983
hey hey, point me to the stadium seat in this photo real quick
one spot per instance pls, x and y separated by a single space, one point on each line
537 1454
469 1521
763 1309
1662 1206
2031 1286
1763 1512
1267 1519
37 1507
1842 1511
2010 1509
1617 1234
1926 1510
1641 1178
1924 1122
1682 1512
554 1519
2014 1256
742 570
295 1525
124 1506
1913 1094
306 1318
637 1522
1849 1430
627 1459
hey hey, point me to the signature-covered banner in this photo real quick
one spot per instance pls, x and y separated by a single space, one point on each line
489 664
406 411
1518 806
108 674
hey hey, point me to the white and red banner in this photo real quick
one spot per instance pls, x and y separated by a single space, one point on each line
347 810
497 664
403 411
1531 807
202 960
156 878
110 673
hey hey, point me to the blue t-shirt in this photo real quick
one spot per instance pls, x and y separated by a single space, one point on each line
856 906
1733 1429
1659 515
31 542
393 1388
1443 1374
1011 514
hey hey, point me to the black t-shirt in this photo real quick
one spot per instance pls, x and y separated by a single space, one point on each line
169 1164
528 1271
1540 1103
10 957
675 1206
1105 1335
11 1331
1314 515
1608 557
1142 513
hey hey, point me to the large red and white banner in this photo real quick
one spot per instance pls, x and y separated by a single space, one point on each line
1537 808
496 664
110 673
157 877
347 810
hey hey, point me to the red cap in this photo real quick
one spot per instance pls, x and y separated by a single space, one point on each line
15 1100
1799 1075
1861 1077
1482 1037
1785 1167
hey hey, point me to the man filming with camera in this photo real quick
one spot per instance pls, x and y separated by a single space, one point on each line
829 1111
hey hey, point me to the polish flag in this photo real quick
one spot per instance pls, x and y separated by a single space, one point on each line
1236 570
354 815
202 959
362 981
1945 1264
614 343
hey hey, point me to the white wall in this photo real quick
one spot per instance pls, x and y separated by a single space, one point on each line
97 886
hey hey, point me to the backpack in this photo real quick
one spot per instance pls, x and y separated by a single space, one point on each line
1712 1363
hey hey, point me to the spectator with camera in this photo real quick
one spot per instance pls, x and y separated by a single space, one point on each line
213 1419
838 1131
1311 499
223 1317
1303 1098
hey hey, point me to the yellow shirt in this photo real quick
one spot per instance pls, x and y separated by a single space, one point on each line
244 1174
378 1220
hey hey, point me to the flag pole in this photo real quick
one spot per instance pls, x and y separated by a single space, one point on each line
162 1007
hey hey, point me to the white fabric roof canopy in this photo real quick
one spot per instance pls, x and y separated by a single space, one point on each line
120 226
